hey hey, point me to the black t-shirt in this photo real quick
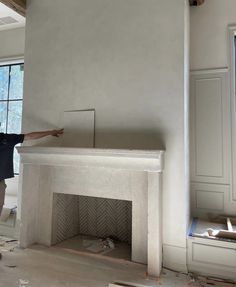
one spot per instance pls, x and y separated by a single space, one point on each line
7 144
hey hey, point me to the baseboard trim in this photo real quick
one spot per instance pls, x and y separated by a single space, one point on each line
175 258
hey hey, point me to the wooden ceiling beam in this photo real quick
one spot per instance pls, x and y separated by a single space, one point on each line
196 2
17 5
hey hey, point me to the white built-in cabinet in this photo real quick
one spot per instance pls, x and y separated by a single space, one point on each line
213 164
210 143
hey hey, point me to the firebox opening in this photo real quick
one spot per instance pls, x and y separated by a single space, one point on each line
92 225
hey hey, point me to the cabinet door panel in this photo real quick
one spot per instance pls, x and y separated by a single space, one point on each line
210 128
209 198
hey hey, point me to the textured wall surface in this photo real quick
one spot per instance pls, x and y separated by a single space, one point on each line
209 34
12 43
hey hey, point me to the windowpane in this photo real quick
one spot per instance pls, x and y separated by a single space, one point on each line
4 76
11 94
14 117
3 116
16 82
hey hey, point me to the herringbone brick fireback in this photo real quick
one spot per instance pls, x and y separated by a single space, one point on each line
73 214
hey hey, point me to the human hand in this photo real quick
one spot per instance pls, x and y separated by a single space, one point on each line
57 133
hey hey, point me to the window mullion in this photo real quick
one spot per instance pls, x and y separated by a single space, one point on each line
8 95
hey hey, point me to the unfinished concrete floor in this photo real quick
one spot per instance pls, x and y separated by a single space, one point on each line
51 267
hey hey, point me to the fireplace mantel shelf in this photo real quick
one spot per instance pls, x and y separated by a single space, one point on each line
91 152
145 160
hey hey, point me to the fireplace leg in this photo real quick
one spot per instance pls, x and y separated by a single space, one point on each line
154 224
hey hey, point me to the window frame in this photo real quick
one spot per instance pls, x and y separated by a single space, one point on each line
9 63
8 100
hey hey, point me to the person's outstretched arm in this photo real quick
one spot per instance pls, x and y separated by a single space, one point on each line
42 134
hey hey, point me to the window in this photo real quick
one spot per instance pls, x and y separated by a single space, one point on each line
11 99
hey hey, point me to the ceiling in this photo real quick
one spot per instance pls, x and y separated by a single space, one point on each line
9 19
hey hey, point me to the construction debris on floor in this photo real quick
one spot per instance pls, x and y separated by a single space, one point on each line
23 283
7 244
171 278
109 247
218 228
99 245
40 266
208 281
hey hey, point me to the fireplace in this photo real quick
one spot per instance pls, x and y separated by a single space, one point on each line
128 175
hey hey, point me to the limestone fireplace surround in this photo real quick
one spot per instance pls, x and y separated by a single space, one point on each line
133 175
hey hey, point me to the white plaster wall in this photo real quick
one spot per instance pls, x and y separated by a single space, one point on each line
209 34
12 45
127 60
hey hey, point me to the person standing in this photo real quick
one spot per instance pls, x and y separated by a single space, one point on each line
7 144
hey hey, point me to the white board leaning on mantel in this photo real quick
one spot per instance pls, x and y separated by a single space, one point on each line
79 127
